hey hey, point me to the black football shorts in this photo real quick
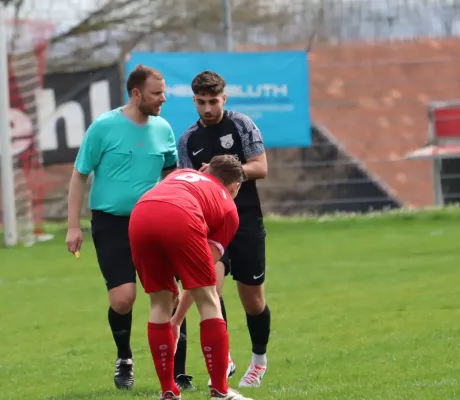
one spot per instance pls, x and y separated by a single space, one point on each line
111 240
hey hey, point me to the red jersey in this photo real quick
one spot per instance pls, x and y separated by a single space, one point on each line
203 196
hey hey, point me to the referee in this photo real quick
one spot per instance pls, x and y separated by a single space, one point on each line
129 149
220 131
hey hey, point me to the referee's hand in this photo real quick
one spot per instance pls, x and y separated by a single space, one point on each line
74 239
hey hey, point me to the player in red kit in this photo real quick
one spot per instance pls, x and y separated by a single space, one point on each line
182 227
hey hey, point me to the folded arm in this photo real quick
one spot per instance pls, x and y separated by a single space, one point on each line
256 167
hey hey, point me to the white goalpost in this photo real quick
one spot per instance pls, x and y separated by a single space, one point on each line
23 46
6 154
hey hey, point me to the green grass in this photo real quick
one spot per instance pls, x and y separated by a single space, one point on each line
362 308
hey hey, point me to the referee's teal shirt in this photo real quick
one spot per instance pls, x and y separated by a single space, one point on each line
127 159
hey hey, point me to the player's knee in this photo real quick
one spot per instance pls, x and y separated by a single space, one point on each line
254 306
162 305
122 299
122 305
252 298
208 302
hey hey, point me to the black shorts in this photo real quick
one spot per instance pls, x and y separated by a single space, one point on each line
111 240
226 261
246 252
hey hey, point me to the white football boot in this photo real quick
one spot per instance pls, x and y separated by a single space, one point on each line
253 376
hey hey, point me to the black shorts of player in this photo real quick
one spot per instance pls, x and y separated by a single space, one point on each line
246 252
111 240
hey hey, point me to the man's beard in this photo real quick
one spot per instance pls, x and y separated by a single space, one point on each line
147 112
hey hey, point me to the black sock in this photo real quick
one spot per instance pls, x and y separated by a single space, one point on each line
259 330
121 330
224 311
181 352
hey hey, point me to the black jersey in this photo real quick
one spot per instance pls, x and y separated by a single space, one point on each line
236 134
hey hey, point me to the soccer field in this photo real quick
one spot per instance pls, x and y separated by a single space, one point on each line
362 308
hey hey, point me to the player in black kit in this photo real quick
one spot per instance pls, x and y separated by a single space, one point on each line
220 131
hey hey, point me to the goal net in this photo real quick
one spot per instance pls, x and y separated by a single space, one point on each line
27 47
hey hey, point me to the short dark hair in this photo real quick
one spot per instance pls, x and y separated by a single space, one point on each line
137 77
208 83
227 169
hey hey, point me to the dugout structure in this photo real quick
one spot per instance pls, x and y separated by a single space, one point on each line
23 59
443 141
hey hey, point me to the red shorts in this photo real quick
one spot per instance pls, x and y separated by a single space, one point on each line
167 241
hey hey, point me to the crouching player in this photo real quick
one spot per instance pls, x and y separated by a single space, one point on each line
182 227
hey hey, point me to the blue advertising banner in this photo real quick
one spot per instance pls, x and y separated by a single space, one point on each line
270 87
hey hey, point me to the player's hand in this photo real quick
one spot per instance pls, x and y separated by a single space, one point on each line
74 239
204 167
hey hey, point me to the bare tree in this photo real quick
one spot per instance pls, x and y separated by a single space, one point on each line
114 27
160 25
15 5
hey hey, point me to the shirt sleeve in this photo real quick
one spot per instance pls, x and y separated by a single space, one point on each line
184 158
222 236
91 148
251 137
171 151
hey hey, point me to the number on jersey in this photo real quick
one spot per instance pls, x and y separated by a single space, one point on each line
191 177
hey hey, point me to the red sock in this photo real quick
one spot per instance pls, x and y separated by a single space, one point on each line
214 343
161 341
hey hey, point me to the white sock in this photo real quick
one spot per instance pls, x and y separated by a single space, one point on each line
229 357
259 360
